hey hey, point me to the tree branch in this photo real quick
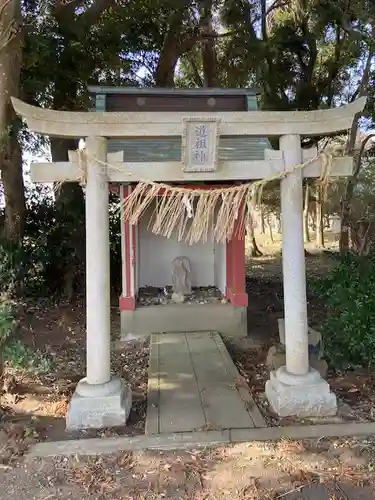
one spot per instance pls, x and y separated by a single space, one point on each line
264 19
359 157
196 76
276 5
361 90
92 15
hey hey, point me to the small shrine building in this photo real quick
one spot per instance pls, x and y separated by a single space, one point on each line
217 268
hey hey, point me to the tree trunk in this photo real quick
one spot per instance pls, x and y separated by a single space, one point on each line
10 155
254 250
208 49
172 49
269 222
313 219
262 221
344 242
279 224
14 191
306 234
348 195
319 217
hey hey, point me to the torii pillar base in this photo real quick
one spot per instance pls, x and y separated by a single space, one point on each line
300 395
99 406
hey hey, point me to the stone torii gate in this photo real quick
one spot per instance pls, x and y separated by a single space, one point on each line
295 389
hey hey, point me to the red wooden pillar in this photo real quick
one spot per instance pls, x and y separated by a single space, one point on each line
236 273
129 235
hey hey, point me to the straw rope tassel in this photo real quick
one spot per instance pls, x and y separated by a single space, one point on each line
195 213
224 211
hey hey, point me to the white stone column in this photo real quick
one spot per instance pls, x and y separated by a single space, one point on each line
100 400
98 322
293 259
296 389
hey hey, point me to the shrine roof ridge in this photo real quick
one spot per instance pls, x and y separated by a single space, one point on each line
212 91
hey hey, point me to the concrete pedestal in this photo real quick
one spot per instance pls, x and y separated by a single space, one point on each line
230 321
300 395
98 406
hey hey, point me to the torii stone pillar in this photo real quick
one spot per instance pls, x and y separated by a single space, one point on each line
99 400
296 389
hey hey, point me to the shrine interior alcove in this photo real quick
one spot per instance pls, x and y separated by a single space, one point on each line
157 252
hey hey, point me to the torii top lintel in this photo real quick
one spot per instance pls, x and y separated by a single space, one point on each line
156 124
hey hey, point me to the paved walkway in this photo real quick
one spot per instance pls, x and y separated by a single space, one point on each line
194 385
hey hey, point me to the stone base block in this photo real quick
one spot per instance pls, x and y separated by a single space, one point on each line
300 396
96 407
227 319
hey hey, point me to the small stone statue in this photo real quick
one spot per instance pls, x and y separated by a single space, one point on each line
181 278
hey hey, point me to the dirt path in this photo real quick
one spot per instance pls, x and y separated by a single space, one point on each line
323 470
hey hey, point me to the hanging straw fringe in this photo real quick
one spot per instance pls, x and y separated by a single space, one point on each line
195 214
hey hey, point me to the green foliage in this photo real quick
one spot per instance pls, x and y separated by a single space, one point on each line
349 331
13 351
36 269
6 322
18 355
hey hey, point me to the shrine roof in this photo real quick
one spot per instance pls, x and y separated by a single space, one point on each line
97 89
156 149
105 98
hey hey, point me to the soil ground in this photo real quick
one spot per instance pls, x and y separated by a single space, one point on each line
355 389
309 470
38 400
292 470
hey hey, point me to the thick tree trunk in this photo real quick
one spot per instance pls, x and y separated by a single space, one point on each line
14 191
164 74
10 154
208 49
306 233
319 217
173 48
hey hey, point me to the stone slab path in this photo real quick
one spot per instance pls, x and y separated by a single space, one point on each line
194 385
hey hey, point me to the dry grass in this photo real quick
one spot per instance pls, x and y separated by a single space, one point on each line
291 447
40 400
248 471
